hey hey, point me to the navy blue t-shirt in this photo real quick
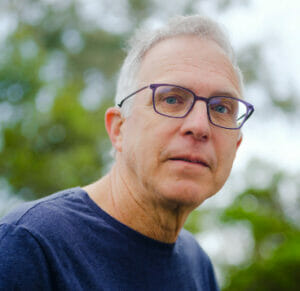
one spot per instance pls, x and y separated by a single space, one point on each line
66 242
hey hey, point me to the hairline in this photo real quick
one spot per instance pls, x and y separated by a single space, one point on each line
144 40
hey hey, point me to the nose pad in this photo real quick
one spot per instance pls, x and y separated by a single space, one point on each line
197 123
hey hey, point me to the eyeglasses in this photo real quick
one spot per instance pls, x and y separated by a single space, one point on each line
177 102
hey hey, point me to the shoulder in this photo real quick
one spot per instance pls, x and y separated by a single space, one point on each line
198 260
34 235
19 249
193 249
194 253
43 212
190 243
26 236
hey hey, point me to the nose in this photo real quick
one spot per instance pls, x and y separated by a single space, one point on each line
196 123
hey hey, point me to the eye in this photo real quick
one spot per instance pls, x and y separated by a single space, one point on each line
223 105
220 109
171 100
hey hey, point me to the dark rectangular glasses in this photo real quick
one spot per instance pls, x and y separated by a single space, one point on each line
177 102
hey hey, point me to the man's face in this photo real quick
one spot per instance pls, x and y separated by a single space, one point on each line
185 160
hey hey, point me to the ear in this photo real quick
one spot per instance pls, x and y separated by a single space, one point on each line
113 124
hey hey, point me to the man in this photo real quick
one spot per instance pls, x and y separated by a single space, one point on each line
175 137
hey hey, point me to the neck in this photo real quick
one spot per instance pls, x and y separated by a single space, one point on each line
136 210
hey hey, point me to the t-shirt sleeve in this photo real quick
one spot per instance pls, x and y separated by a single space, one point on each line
23 265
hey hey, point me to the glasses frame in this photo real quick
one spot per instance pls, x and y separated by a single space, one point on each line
249 112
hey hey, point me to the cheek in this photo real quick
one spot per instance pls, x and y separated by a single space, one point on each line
146 135
226 151
139 141
147 129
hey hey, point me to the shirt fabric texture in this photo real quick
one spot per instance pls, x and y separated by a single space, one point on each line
66 242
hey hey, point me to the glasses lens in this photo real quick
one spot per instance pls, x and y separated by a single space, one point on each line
172 101
227 112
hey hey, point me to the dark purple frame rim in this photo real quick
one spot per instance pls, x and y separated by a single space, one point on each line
250 107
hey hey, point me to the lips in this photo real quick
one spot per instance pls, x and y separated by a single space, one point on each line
191 160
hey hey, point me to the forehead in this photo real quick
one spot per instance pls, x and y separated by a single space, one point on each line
189 61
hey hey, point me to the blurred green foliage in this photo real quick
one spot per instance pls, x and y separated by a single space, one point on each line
275 260
55 83
58 68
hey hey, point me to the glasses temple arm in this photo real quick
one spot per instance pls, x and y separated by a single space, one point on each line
251 111
127 97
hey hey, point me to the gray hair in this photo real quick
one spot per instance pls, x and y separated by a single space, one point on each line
144 40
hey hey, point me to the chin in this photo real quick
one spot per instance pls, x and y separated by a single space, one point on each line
185 194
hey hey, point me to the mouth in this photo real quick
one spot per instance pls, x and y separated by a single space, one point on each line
192 161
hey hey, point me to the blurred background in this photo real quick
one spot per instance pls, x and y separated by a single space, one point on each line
59 64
